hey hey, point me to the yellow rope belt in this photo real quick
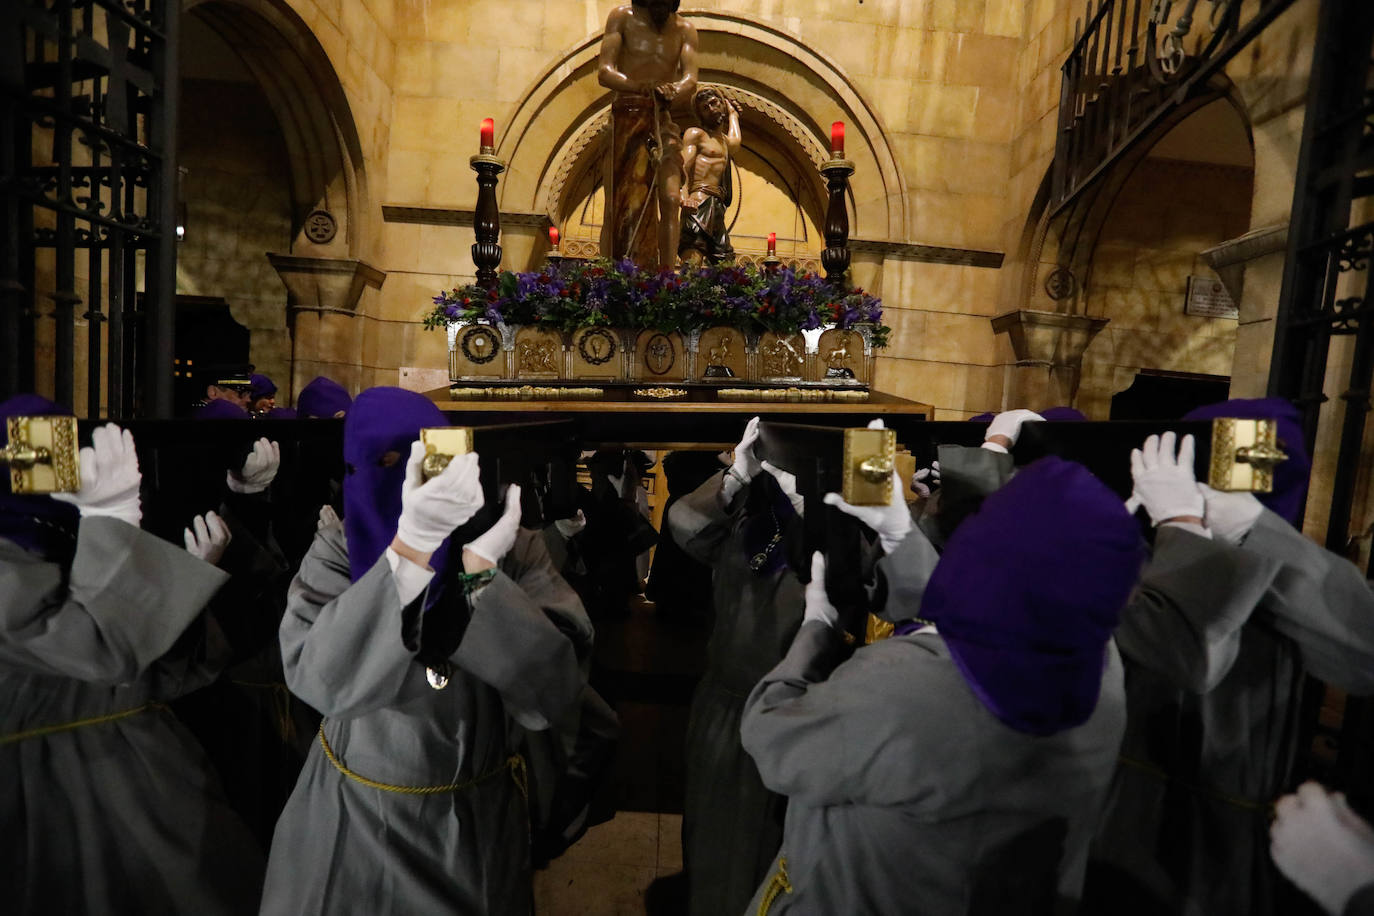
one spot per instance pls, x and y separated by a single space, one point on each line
515 764
80 723
1235 801
778 885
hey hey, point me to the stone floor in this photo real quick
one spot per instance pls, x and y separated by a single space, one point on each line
646 666
608 871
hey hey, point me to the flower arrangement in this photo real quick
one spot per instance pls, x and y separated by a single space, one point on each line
578 294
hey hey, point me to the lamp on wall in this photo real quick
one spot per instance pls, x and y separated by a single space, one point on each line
182 171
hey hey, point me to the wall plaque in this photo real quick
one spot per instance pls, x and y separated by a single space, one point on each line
1208 298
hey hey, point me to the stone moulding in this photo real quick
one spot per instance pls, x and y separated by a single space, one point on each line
325 284
1048 339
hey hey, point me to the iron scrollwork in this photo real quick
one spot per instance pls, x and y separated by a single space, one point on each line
1168 56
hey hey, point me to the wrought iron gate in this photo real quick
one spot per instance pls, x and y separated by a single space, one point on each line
88 96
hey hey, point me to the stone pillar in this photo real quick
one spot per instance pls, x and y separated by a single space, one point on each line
1251 268
1048 347
322 307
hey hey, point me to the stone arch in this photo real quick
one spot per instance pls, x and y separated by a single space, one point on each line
304 92
1067 238
1054 324
790 92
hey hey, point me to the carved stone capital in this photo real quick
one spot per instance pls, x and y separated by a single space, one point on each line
1050 339
1230 257
325 284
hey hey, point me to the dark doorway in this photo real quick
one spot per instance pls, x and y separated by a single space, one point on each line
1159 395
207 336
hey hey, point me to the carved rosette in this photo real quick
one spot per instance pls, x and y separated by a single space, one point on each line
660 357
478 351
597 353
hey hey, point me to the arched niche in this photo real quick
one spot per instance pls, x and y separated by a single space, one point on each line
1120 257
790 92
304 92
771 155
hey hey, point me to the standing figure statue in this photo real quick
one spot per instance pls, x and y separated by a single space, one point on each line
706 164
648 60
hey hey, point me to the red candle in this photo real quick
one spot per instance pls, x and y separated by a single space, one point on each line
837 139
772 243
488 133
553 236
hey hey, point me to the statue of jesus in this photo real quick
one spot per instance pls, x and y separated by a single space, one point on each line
649 60
706 163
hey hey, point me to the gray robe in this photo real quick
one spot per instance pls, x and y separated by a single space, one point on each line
345 847
907 796
120 816
731 824
1218 640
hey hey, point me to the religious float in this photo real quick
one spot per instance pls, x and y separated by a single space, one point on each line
664 313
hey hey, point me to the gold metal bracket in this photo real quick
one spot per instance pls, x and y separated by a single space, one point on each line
443 444
1244 455
42 455
869 457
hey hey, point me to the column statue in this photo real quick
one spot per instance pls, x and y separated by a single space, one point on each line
648 60
706 157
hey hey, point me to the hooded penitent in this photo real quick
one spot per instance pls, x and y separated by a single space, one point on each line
37 523
260 386
1290 477
323 399
378 434
219 409
1029 590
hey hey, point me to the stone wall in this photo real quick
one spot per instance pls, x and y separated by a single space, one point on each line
238 207
1169 212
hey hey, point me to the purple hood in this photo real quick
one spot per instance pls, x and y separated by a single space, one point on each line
322 399
1029 589
378 433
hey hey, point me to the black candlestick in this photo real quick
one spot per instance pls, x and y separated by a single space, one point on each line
486 251
835 257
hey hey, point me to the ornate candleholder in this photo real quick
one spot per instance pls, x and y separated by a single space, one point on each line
771 264
486 251
835 257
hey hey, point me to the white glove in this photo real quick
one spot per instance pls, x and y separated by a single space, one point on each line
497 541
924 481
891 522
745 464
432 509
1230 516
1008 423
570 527
1322 846
109 477
818 606
1164 482
328 518
207 538
259 469
787 482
